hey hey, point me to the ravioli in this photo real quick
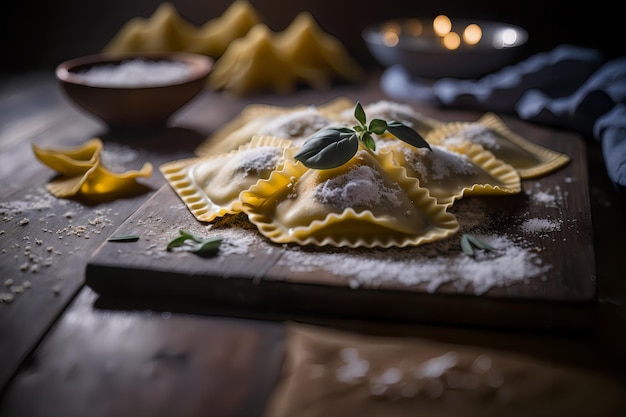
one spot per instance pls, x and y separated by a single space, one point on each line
453 171
529 159
365 202
389 110
296 123
210 186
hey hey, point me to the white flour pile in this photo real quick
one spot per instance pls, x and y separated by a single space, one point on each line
136 73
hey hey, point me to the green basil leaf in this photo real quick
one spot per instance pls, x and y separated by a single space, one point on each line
208 246
203 247
123 238
378 126
480 244
368 141
187 235
469 242
407 134
329 150
176 242
466 246
359 113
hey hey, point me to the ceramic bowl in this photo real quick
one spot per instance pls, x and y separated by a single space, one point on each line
134 91
444 47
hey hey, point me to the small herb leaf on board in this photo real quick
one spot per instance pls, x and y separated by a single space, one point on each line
123 238
469 242
203 247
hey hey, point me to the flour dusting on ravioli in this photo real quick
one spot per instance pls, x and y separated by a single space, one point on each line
457 168
362 186
295 125
439 165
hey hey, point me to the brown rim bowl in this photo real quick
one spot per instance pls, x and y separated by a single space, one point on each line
133 105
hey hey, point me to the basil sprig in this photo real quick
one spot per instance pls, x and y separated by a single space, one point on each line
332 147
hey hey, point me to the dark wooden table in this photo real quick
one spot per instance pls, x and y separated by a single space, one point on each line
64 354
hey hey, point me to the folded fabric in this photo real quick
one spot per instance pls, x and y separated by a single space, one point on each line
610 129
556 73
580 110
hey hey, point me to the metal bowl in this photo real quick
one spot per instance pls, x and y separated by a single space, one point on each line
133 103
465 49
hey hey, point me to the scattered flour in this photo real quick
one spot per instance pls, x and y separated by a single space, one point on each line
547 197
540 226
512 263
43 237
37 200
447 376
430 266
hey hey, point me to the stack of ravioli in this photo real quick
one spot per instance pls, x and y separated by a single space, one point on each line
396 196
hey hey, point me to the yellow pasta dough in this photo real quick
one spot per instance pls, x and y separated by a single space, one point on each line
361 203
451 172
529 159
71 162
166 31
252 58
293 123
253 63
318 57
210 186
396 195
83 174
267 61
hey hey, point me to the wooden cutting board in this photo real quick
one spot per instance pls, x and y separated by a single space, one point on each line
429 284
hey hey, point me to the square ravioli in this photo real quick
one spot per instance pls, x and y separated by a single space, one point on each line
367 202
529 159
210 187
451 171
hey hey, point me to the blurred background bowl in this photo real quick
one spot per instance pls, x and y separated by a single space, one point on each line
445 47
139 100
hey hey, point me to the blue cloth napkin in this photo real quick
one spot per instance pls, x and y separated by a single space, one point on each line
569 87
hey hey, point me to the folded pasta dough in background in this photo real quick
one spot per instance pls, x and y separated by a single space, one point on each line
330 373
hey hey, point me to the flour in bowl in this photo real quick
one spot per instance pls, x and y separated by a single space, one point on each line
136 72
